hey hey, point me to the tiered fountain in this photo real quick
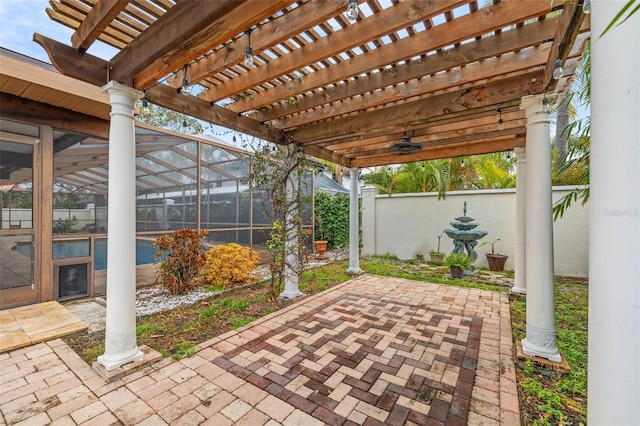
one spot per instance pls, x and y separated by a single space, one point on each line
465 236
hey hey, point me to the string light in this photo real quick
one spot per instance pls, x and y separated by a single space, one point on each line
558 70
462 162
500 121
146 109
352 11
248 53
586 7
184 89
184 120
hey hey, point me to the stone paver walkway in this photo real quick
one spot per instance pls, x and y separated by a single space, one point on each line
371 351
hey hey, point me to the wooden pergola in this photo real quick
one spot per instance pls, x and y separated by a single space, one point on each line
440 72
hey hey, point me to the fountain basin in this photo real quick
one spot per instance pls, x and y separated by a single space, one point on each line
465 235
463 226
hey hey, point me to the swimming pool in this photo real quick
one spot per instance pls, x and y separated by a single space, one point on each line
145 252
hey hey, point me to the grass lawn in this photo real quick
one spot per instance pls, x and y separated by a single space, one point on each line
546 398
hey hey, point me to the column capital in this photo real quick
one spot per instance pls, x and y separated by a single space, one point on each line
115 87
535 101
353 171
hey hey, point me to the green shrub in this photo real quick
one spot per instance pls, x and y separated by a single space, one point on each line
457 259
332 219
230 265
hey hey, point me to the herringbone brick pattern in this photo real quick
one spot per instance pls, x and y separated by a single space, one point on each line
372 351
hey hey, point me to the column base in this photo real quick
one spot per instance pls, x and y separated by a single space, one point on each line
354 271
291 294
112 361
532 349
518 290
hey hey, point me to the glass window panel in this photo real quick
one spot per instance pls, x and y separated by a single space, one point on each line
73 248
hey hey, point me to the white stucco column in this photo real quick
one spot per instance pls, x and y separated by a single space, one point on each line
520 285
541 330
120 333
614 243
369 219
292 264
354 240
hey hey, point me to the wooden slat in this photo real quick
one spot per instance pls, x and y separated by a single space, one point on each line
387 21
487 47
424 110
98 18
264 36
460 29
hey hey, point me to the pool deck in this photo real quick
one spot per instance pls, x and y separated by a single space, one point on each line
371 351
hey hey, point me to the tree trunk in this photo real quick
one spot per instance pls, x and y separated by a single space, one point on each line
562 120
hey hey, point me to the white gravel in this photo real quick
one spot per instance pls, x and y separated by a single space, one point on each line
154 299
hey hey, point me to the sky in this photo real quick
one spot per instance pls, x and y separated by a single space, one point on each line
19 19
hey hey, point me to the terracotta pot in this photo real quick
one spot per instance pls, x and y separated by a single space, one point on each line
321 247
496 261
456 271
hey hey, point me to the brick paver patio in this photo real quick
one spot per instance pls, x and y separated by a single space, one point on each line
372 351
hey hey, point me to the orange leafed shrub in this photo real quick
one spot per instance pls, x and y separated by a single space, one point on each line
182 259
230 265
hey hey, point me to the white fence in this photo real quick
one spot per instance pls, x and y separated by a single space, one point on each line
407 224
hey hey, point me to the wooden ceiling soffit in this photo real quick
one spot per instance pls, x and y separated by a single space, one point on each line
193 29
16 108
482 49
447 151
99 17
435 38
499 68
388 21
269 34
568 29
423 111
167 97
70 62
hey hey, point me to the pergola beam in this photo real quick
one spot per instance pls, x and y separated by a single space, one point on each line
98 18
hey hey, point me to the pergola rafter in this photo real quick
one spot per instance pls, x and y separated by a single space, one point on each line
345 90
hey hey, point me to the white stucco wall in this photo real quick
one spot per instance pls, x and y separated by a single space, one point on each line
407 224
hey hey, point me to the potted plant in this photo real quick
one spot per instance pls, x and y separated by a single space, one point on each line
320 240
495 260
457 263
436 256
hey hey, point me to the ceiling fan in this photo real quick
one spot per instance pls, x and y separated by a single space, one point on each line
405 146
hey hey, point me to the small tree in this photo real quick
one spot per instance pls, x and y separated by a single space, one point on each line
275 172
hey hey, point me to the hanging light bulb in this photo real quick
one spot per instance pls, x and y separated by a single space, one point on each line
352 10
184 121
546 105
558 71
508 155
500 121
586 7
184 90
248 53
234 138
462 162
146 109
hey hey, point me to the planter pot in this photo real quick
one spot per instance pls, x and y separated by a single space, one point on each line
321 247
437 258
419 256
496 262
456 271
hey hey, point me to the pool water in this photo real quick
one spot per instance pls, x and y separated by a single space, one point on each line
145 252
